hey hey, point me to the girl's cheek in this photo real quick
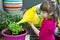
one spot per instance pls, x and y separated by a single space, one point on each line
41 13
45 15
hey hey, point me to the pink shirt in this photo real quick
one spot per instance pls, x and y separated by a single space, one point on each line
47 30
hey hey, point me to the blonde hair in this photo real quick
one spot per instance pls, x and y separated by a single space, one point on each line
49 6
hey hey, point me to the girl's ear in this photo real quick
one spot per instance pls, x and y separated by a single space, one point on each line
51 13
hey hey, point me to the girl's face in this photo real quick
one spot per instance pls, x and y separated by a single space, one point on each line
44 14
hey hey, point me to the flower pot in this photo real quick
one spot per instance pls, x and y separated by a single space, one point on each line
14 37
13 4
16 12
13 7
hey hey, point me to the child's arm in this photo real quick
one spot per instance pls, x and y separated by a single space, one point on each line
34 28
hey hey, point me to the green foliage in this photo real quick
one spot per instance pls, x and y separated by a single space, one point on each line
40 21
58 1
15 18
4 19
15 28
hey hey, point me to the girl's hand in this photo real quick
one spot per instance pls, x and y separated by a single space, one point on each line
34 28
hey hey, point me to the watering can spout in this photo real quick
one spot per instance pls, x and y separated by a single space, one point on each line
20 22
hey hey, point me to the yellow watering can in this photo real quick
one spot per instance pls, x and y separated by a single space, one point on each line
30 16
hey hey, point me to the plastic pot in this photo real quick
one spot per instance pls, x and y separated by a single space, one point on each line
14 37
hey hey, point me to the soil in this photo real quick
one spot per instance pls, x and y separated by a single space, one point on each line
8 32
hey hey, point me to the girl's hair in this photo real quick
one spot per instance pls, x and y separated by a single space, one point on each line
49 6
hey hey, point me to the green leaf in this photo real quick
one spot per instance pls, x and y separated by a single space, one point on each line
15 28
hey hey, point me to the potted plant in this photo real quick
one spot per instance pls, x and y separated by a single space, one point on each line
14 32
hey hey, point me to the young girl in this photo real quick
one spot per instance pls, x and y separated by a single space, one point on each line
49 11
